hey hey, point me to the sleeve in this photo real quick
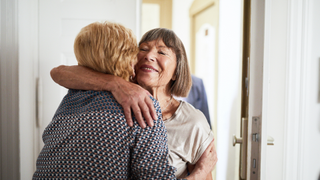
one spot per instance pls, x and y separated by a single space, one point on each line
203 136
203 146
150 153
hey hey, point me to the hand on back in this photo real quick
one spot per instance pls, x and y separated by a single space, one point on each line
134 98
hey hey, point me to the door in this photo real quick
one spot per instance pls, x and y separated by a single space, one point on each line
156 13
59 23
290 105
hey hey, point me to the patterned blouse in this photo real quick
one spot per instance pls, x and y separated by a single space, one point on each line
89 138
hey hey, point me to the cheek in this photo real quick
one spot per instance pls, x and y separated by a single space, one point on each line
140 56
136 68
170 67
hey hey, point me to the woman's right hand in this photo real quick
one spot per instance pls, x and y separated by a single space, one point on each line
131 96
134 98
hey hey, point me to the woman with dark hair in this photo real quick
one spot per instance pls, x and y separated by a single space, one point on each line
162 69
88 137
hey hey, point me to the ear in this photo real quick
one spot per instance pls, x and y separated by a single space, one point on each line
133 70
174 77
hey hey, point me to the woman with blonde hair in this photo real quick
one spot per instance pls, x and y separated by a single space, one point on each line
162 69
88 137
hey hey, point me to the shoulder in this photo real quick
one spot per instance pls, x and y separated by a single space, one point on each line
188 114
196 80
82 95
90 101
155 102
188 119
189 130
156 106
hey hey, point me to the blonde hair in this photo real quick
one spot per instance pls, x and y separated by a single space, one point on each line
108 48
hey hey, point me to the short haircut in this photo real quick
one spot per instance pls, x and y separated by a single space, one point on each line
108 48
182 84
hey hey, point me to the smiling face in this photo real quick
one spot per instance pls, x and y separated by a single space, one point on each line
156 66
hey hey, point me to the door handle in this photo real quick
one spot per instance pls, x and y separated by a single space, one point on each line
236 140
38 102
243 147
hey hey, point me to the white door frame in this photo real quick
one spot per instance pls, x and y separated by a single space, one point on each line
9 90
256 72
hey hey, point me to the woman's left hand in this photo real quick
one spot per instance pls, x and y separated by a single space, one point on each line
206 163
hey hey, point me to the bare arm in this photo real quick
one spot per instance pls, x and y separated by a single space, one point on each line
131 96
204 166
191 168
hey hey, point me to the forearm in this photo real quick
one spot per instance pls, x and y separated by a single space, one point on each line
80 77
197 174
205 165
209 176
129 95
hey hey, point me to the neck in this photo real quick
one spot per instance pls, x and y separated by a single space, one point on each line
163 96
167 103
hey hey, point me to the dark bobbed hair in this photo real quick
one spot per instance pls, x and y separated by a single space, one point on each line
182 83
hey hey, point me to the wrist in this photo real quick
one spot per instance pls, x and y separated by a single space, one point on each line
110 83
194 176
197 174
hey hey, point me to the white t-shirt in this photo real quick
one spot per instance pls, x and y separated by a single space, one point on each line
189 135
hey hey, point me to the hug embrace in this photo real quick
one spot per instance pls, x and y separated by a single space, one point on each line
119 119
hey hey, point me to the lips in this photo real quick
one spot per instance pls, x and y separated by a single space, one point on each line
148 68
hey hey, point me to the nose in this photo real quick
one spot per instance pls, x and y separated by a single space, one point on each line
150 56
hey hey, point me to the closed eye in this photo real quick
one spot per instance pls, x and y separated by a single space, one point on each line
161 52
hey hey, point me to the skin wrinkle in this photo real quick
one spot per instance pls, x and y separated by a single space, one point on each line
163 60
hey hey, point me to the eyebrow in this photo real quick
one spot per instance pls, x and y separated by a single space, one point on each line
163 47
159 46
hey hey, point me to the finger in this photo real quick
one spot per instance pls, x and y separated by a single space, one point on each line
127 113
148 93
138 115
151 108
146 114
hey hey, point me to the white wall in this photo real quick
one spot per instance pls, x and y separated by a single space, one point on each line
181 21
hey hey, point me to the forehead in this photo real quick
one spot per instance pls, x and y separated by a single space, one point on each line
156 43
